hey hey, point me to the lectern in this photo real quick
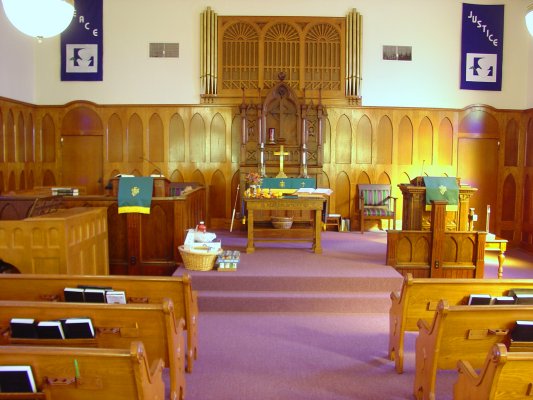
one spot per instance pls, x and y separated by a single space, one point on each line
416 216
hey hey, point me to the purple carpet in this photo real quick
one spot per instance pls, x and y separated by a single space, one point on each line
290 324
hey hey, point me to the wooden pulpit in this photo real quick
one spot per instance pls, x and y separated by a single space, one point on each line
161 186
416 216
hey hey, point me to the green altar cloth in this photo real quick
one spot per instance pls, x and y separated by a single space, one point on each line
135 194
442 188
288 183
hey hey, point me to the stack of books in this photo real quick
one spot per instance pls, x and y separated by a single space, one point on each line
65 191
94 294
68 328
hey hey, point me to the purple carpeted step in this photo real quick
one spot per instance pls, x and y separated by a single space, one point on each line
306 302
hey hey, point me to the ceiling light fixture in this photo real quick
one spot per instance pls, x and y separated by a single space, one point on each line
39 18
529 19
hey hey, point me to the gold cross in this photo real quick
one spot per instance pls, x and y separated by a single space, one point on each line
281 155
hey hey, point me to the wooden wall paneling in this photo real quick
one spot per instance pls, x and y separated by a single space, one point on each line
218 200
134 139
509 199
342 195
115 139
22 181
157 240
176 176
445 143
327 141
48 140
511 144
217 139
176 146
2 135
197 139
529 144
10 137
156 141
11 182
425 142
49 178
363 141
29 140
343 141
383 141
405 142
235 139
31 181
19 139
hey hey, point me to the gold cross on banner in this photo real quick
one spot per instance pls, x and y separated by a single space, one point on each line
281 155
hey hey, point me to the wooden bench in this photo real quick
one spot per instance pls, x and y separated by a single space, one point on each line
505 375
139 289
116 326
104 374
419 297
460 332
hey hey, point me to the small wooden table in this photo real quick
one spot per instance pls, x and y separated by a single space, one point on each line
301 230
500 245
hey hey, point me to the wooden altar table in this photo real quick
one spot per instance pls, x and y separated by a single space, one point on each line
307 220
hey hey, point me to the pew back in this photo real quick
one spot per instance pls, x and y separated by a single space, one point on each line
504 375
116 326
460 332
139 289
106 374
419 298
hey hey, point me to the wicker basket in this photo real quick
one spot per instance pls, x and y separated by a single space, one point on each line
198 261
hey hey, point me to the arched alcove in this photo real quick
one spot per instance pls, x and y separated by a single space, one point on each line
343 142
217 139
176 140
197 139
405 142
384 141
363 141
156 142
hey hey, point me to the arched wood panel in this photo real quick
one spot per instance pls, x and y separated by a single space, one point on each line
11 182
19 139
156 142
1 182
2 141
176 146
48 139
342 195
29 140
445 143
343 143
425 142
405 142
235 138
81 120
509 198
511 144
363 141
529 143
31 181
197 139
176 176
48 178
10 137
327 141
384 141
217 196
115 141
135 139
384 179
198 176
22 181
218 139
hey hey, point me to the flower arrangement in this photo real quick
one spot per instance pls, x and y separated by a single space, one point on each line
253 178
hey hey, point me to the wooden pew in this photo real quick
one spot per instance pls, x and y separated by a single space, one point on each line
139 289
419 298
460 332
104 374
116 325
505 375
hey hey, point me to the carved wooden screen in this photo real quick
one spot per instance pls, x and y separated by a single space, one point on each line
311 53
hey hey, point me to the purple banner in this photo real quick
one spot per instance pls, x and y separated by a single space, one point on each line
482 47
82 44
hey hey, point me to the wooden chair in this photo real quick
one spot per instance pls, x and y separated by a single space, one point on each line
375 204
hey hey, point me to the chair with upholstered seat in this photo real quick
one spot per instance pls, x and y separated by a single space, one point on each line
376 203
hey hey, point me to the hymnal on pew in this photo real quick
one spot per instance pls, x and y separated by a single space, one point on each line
74 295
23 328
16 379
50 330
78 328
522 332
479 299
